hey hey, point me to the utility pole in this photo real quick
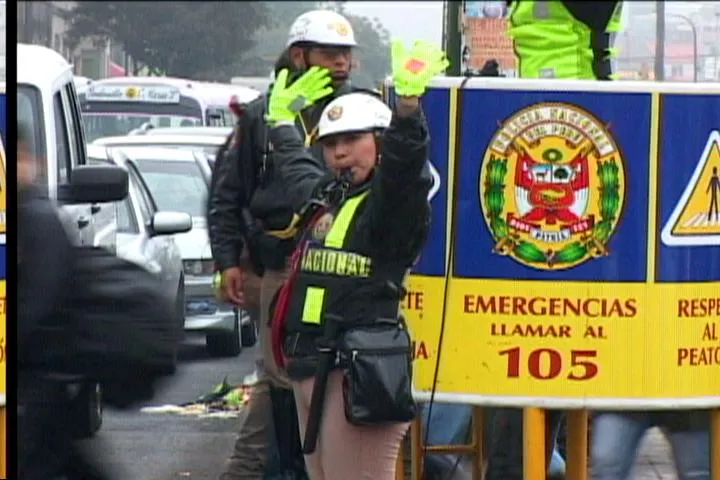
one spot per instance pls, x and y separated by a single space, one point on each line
452 36
660 40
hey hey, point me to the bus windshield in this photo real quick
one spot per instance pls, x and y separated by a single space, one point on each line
111 109
106 124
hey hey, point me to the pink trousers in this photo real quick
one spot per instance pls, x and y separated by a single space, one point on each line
345 451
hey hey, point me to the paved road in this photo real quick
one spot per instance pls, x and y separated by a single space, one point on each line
142 446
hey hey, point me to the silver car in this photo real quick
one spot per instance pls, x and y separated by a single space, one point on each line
145 233
202 139
179 181
190 131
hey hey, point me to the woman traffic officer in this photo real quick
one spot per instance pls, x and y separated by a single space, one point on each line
336 325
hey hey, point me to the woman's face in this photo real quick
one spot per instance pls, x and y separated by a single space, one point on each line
356 152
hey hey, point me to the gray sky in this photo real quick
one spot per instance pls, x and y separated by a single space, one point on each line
409 20
423 20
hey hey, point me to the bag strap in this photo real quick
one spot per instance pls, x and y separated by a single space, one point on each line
277 322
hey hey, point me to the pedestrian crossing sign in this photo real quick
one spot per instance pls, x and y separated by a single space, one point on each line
695 221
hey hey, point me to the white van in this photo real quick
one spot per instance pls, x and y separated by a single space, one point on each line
48 106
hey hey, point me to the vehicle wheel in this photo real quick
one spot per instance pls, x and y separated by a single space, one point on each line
248 333
225 344
88 410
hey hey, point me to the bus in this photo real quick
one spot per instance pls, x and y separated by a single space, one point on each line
116 106
258 83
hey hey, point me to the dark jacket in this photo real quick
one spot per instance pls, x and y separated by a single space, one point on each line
395 219
390 226
44 266
242 183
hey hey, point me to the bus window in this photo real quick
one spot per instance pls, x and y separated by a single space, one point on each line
220 117
111 109
111 124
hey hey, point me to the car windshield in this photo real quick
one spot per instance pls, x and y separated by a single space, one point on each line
98 125
176 186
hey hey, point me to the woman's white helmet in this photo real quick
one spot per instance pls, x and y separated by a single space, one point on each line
354 112
323 27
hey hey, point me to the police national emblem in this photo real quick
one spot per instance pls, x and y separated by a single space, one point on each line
335 113
552 186
340 27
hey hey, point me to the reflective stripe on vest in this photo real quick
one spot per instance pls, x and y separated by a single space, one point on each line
335 238
615 24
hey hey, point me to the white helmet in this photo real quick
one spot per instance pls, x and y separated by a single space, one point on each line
324 27
354 112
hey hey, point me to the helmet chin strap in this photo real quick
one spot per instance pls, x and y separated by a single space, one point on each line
378 147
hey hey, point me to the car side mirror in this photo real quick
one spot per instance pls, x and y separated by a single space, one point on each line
169 223
95 184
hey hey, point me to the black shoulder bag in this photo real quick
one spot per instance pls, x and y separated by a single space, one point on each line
376 357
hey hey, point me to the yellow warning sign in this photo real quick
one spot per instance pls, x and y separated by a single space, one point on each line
696 217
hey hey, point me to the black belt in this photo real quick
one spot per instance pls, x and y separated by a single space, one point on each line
271 252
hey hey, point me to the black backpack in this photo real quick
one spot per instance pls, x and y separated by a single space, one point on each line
123 328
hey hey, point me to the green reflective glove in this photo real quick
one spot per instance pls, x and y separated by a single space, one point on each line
286 102
412 71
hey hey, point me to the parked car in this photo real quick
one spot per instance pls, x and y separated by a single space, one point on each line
178 181
48 106
189 131
145 232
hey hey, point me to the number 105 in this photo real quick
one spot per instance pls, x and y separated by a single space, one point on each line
582 367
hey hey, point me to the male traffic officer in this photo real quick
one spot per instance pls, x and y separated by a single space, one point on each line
564 40
248 208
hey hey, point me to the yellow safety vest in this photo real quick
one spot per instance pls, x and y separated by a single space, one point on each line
550 42
328 270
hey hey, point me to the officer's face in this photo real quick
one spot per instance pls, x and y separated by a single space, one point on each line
353 152
336 59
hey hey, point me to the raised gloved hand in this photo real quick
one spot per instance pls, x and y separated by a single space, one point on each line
286 102
412 70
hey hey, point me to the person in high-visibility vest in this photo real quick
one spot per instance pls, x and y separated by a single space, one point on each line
564 39
367 225
251 227
552 39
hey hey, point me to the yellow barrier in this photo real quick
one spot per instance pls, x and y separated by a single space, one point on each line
519 301
418 451
535 452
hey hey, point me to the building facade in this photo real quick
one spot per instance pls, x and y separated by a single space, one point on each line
45 23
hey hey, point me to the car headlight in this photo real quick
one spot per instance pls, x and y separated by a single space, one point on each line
198 267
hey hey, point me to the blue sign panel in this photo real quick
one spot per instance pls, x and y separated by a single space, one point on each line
553 185
689 213
436 105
